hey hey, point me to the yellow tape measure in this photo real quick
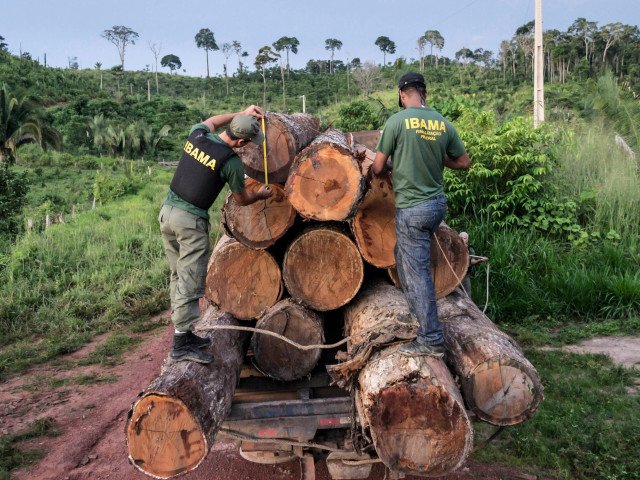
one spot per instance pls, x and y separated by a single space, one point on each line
264 149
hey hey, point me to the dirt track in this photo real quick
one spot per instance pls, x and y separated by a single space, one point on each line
92 418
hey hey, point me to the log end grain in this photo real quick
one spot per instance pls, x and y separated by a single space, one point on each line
503 391
242 281
373 226
415 413
278 359
163 437
323 269
325 183
260 224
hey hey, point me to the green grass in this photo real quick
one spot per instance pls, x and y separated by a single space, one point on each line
586 427
535 279
12 457
596 169
101 271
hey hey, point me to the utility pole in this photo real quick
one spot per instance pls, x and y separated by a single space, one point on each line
304 103
538 69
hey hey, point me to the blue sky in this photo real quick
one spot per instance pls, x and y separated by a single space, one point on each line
72 28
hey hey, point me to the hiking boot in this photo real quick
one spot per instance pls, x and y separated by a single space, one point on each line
196 341
182 350
415 349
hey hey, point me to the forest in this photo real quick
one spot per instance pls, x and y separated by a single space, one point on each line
555 208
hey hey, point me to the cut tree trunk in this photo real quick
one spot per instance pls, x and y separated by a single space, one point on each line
325 181
242 281
449 261
323 268
411 405
260 224
278 359
373 226
498 383
172 427
285 136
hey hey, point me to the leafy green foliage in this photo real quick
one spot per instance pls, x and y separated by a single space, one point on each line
13 190
356 116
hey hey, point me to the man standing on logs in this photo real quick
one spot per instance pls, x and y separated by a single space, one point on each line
422 142
207 163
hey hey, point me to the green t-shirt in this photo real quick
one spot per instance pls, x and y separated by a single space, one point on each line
232 172
418 138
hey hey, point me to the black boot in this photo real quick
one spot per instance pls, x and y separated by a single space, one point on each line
196 341
182 350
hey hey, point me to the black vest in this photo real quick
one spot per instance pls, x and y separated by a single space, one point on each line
197 179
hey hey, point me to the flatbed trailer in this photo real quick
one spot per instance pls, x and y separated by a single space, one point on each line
275 422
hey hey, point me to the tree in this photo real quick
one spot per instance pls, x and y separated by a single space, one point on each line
73 63
98 66
172 62
332 44
121 36
434 39
464 54
366 76
610 33
206 40
227 51
421 42
156 49
386 45
585 29
288 44
20 124
265 57
237 49
3 46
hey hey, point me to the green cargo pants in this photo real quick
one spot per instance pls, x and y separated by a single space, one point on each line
186 242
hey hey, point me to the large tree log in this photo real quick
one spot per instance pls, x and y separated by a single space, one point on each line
278 359
285 136
242 281
373 226
323 268
449 261
498 383
172 427
412 405
325 181
261 224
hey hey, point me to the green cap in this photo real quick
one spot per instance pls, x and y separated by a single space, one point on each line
246 127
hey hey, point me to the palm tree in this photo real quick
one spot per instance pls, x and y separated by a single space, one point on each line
19 124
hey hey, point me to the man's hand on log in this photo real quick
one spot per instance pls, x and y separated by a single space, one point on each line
254 111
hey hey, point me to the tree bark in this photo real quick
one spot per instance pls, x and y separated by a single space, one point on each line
278 359
498 383
325 181
242 281
261 224
172 427
449 261
285 136
323 268
411 405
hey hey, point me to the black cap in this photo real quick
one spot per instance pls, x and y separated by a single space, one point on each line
410 78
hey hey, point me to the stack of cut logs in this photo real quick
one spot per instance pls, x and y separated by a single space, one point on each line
324 243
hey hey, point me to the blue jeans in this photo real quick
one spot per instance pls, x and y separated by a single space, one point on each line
414 228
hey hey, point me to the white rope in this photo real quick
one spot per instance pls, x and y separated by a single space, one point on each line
285 339
458 278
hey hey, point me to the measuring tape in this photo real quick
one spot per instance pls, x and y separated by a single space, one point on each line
264 149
